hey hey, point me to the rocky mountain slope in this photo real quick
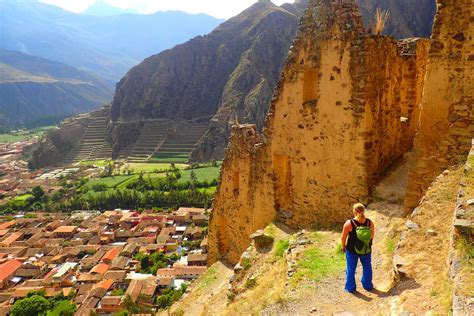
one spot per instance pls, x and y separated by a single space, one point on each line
234 68
104 45
233 71
33 88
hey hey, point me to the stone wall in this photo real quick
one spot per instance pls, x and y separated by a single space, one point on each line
341 114
462 235
393 76
446 123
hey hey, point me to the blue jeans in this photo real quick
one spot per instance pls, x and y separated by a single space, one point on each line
351 260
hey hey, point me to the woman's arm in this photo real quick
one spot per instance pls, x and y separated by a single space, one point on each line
345 231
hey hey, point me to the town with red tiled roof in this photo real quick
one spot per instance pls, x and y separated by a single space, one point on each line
101 261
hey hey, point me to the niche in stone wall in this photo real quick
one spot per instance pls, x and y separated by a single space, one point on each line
236 181
310 85
223 234
282 182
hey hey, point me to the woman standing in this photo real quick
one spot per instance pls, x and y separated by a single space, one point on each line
357 237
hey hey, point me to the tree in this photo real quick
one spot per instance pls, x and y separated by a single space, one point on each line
130 305
63 308
34 305
194 180
38 193
118 292
99 187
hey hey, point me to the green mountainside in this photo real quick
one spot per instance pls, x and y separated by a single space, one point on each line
33 88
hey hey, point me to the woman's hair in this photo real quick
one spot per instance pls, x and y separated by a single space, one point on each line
359 208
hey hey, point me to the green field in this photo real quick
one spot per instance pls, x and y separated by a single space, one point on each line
110 182
175 158
202 174
120 182
210 190
150 167
18 136
99 163
23 197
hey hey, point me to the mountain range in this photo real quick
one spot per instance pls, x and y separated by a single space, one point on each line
102 8
234 70
95 49
33 88
107 46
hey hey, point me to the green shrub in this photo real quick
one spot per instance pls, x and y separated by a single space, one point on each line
281 246
250 283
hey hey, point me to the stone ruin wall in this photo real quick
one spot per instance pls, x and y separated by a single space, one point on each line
333 126
446 124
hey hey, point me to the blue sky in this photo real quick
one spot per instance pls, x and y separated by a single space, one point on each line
218 8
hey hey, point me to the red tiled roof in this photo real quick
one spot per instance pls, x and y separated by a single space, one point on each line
185 210
111 254
65 229
12 238
105 284
190 270
50 274
7 224
101 268
8 269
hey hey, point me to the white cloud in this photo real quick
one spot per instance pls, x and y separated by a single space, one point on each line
218 8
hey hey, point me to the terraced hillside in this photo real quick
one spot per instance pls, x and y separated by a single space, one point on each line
93 145
178 146
152 137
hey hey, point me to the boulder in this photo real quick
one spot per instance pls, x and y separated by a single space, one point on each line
262 240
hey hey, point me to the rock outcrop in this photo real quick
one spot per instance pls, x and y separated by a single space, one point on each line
345 109
447 121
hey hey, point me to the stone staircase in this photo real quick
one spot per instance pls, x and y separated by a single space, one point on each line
152 137
181 144
93 145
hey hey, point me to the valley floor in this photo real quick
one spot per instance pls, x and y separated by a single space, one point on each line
309 277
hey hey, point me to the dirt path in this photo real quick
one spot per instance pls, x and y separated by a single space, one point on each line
423 290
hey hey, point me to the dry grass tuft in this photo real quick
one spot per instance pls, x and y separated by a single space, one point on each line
381 18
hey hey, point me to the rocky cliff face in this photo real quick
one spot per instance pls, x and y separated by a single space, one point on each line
233 71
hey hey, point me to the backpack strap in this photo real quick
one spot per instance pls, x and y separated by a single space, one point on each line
353 224
367 222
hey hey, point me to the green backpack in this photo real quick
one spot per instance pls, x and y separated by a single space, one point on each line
362 243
